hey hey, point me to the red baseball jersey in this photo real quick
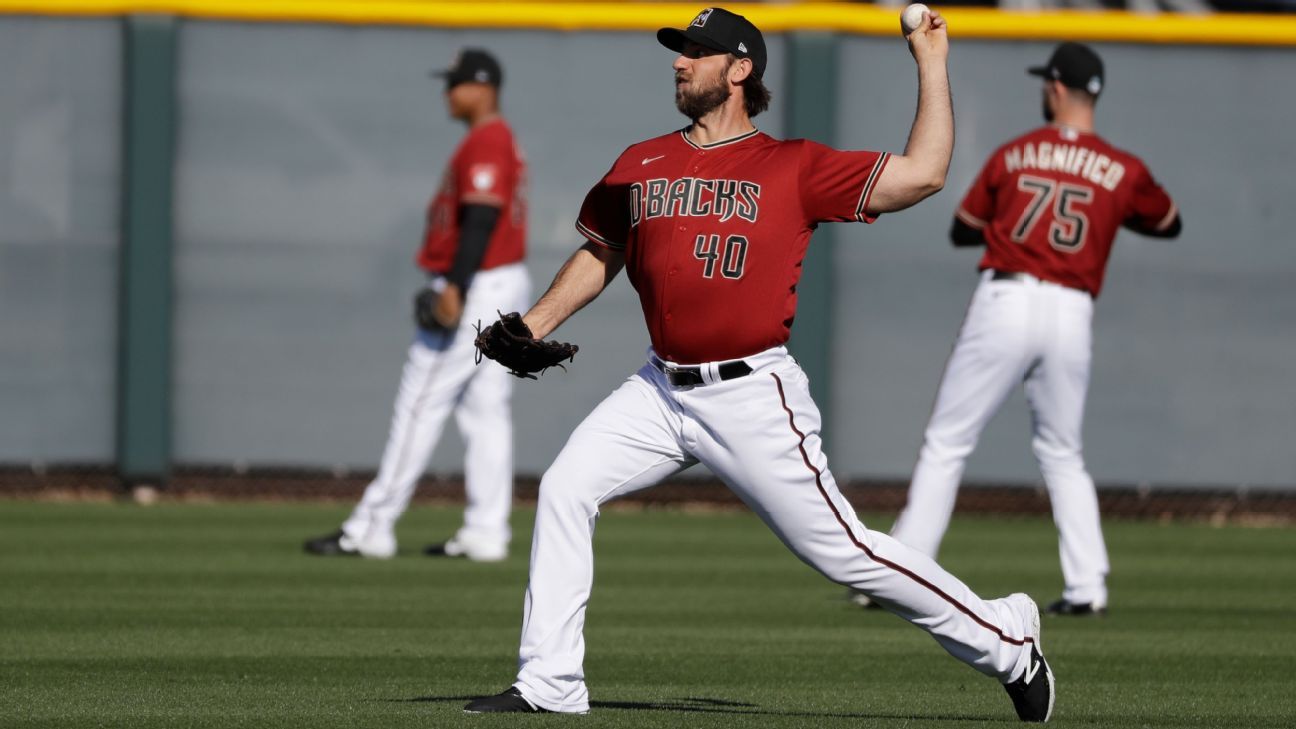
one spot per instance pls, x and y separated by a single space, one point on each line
714 235
487 169
1050 202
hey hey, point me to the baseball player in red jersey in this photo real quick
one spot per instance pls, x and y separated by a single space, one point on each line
472 251
711 224
1047 206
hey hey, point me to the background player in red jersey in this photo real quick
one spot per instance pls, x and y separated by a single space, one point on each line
1047 206
472 251
711 224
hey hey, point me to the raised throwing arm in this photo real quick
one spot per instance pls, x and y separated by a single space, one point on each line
920 171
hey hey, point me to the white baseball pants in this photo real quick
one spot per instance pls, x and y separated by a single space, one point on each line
1039 334
440 377
760 434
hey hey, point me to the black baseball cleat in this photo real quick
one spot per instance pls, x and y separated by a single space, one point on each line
473 551
438 549
1032 694
510 702
331 545
1079 609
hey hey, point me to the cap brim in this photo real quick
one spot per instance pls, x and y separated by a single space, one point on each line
672 38
1041 71
452 79
675 39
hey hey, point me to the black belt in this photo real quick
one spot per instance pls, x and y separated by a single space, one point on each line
997 275
692 376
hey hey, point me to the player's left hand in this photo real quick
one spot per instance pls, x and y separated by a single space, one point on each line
449 307
438 311
930 40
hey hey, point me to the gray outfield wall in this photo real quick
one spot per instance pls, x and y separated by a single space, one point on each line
60 173
306 153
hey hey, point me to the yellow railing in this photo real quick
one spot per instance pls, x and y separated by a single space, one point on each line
1218 29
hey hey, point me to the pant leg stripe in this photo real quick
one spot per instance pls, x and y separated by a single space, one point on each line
864 548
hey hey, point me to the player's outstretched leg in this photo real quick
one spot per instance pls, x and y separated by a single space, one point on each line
629 442
771 456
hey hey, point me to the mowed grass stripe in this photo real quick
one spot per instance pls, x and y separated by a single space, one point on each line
211 616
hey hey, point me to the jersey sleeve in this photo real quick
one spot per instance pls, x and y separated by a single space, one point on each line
1150 206
485 172
605 215
977 207
835 186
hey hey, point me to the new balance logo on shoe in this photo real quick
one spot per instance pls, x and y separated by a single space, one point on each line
1032 669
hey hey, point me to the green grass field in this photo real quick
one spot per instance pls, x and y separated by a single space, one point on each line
191 615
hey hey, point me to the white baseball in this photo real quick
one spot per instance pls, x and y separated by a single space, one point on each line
911 17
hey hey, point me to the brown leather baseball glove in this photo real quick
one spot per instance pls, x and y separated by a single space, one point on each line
509 341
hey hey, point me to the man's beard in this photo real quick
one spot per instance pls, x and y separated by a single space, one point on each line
1048 112
697 104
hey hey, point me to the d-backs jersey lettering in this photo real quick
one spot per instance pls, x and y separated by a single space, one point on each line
487 169
1050 202
714 235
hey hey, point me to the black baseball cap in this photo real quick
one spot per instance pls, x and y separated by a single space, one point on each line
472 65
1075 65
722 30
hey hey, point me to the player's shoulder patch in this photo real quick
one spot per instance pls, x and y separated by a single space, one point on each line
483 176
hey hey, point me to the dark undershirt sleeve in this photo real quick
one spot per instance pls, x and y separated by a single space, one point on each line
963 235
1171 231
476 223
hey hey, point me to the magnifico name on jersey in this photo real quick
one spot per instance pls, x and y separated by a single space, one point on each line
1071 159
694 197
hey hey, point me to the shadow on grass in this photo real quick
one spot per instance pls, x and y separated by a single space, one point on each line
702 705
